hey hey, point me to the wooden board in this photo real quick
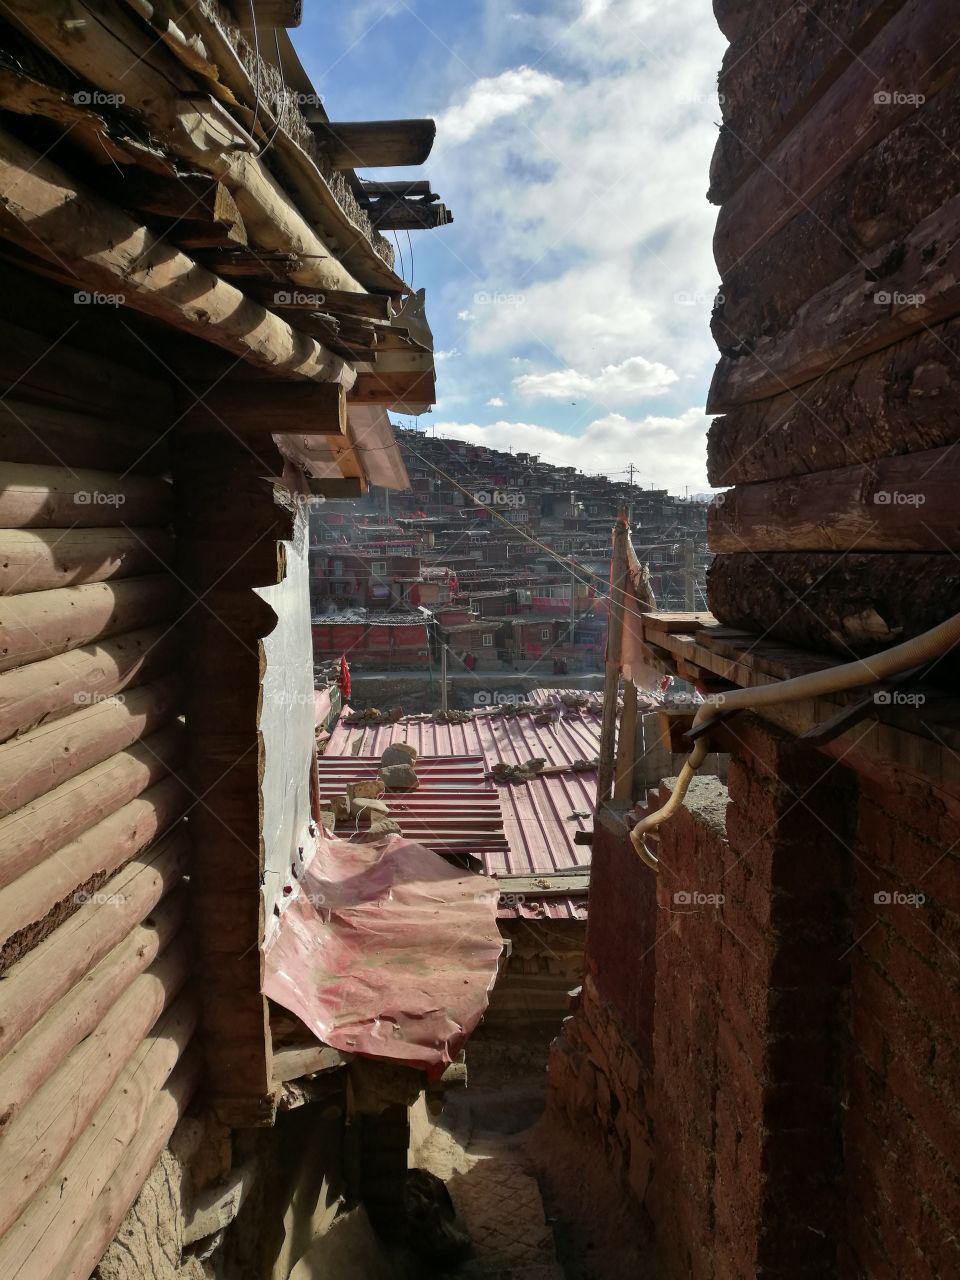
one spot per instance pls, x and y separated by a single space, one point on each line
848 119
903 399
373 144
785 59
916 285
895 504
854 222
851 604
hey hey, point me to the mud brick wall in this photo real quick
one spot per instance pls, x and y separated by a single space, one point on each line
742 1081
598 1083
902 1126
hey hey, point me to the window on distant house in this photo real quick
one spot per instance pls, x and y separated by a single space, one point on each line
487 640
379 568
544 633
337 569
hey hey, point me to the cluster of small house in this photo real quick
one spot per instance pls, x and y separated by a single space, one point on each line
501 557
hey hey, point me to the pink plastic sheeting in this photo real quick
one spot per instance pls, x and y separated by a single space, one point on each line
387 951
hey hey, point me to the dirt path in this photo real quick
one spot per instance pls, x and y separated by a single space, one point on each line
537 1202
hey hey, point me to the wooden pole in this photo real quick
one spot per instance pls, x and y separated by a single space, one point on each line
611 679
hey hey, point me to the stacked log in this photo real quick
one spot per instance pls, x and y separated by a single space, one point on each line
838 323
96 1062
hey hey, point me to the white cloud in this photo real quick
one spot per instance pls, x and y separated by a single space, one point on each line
669 451
466 315
497 401
624 383
447 355
492 98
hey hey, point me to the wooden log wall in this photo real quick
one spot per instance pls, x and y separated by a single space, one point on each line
838 321
97 1012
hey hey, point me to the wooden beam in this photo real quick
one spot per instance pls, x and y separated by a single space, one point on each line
850 603
902 399
404 392
614 659
272 268
788 64
269 408
118 54
284 296
42 559
294 1061
895 504
26 1067
43 497
43 1233
41 624
92 673
397 214
44 212
51 889
861 106
399 189
853 317
60 816
50 970
375 144
139 1157
41 1129
268 13
86 738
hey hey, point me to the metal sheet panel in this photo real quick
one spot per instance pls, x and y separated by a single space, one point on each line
540 817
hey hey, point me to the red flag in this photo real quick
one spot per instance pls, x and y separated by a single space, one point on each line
344 681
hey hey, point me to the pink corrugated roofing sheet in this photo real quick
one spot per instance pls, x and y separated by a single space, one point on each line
540 817
453 811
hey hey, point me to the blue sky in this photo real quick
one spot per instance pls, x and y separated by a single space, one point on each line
570 299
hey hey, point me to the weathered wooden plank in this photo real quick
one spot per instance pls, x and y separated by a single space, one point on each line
29 767
869 99
918 287
404 392
40 1129
395 213
37 368
855 222
46 559
41 1236
46 973
45 213
779 65
43 690
56 818
853 604
41 624
664 620
268 408
903 399
896 504
292 1062
71 1019
374 144
281 295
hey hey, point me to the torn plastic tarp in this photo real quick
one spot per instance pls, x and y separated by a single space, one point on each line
385 949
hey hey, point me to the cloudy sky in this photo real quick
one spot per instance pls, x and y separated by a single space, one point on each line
570 299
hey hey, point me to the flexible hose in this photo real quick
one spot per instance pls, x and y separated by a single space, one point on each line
911 653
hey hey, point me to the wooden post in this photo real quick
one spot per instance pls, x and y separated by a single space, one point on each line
611 680
626 745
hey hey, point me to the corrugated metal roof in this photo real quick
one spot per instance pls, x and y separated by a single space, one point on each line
452 811
540 817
